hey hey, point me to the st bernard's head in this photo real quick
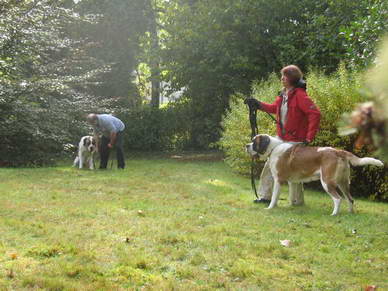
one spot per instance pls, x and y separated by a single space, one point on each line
259 145
89 143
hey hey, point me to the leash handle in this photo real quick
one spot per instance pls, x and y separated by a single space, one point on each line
253 121
254 132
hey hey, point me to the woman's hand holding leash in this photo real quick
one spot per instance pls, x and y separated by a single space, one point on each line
253 103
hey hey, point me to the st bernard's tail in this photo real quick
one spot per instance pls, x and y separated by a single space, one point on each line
356 161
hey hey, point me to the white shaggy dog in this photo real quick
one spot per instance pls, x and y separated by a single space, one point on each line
86 149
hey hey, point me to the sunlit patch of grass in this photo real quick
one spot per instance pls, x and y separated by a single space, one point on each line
165 224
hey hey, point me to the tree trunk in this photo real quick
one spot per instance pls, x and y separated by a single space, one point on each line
154 58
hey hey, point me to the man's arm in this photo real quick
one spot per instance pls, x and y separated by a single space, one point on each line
113 136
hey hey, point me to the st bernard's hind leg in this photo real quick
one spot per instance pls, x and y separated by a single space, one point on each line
345 189
344 185
331 189
328 183
295 191
275 194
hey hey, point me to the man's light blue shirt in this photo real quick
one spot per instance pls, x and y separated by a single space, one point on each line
106 124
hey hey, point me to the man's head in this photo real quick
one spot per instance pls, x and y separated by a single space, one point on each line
92 119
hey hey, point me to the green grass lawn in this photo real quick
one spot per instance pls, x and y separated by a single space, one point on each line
197 229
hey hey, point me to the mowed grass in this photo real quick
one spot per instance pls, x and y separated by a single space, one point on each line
197 229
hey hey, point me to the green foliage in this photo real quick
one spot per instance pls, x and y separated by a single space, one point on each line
59 60
120 24
236 129
364 33
323 36
149 128
172 127
334 95
44 78
217 50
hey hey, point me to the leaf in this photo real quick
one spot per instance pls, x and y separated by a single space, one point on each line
286 243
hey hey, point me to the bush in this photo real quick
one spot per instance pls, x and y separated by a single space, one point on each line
334 95
32 136
177 126
161 129
45 75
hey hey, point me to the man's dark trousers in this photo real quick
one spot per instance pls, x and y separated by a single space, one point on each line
104 151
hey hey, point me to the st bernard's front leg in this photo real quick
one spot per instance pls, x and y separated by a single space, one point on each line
81 160
91 166
76 161
275 194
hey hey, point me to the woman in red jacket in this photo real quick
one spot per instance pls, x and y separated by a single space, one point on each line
297 121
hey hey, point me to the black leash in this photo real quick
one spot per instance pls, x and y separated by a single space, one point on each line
254 132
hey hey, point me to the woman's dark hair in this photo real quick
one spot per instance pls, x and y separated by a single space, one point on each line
293 73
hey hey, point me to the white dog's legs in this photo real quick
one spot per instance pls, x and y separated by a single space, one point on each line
81 160
91 166
76 161
275 194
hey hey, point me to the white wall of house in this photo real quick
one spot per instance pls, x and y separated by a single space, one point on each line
166 96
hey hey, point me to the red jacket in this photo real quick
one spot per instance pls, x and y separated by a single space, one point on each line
303 116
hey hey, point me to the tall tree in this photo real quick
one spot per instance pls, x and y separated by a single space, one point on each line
364 33
154 57
42 76
120 25
216 48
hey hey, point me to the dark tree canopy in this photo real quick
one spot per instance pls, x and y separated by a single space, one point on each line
61 59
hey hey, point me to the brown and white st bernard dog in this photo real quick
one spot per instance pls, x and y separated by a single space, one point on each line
294 163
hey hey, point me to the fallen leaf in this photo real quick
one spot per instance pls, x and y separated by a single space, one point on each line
285 243
13 256
371 288
10 274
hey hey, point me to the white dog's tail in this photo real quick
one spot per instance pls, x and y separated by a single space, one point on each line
356 161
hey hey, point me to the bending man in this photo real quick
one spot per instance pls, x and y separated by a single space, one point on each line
111 130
